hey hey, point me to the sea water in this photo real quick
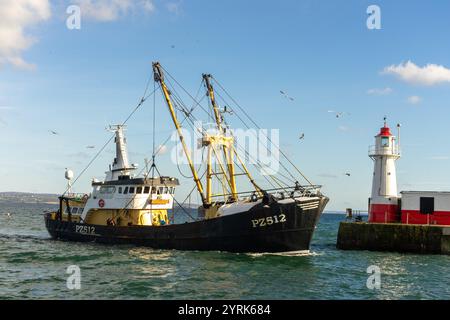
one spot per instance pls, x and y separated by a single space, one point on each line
32 266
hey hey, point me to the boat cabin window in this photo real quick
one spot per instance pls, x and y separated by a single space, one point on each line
172 190
107 189
385 141
166 190
153 190
73 210
131 190
146 189
80 210
160 190
139 190
125 191
120 189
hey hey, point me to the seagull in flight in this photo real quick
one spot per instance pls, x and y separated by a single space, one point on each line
53 132
347 174
8 215
225 110
338 113
90 147
302 136
286 95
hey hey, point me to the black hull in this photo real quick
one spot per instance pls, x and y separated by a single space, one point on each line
271 228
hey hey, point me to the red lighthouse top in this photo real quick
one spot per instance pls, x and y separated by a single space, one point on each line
385 131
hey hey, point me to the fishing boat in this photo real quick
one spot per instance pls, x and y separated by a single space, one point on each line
128 208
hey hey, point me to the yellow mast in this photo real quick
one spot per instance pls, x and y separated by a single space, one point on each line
228 156
209 178
159 77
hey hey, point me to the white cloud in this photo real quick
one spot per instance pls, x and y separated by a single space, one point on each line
148 5
174 7
111 10
380 92
429 75
16 18
414 99
439 158
103 10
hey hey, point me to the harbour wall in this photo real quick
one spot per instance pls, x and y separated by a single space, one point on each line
397 237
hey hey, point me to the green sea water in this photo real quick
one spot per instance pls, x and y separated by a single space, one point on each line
32 266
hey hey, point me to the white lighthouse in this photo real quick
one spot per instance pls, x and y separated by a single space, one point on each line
383 203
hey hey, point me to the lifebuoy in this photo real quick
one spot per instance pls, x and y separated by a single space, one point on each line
101 203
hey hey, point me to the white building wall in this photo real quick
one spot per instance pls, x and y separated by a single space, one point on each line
411 200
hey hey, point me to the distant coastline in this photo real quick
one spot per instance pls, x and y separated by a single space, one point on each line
42 198
52 199
28 197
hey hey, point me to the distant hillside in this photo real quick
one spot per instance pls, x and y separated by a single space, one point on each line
26 197
49 198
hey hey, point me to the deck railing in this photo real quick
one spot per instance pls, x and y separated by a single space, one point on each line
280 193
376 151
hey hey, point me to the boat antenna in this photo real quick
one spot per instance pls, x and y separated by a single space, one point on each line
69 177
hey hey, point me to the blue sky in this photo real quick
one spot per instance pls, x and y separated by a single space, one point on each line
321 53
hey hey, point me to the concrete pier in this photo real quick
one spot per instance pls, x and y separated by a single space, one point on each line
394 237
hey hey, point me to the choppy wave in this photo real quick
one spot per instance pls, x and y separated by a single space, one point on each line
302 253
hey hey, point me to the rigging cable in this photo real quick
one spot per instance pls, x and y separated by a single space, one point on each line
143 99
197 103
254 123
292 179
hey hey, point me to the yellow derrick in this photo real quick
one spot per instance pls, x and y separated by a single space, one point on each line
225 142
159 77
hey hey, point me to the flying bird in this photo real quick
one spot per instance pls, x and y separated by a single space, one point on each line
226 110
338 114
8 215
302 136
286 95
90 147
53 132
347 174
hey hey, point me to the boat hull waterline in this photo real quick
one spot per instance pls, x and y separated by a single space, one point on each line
276 227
